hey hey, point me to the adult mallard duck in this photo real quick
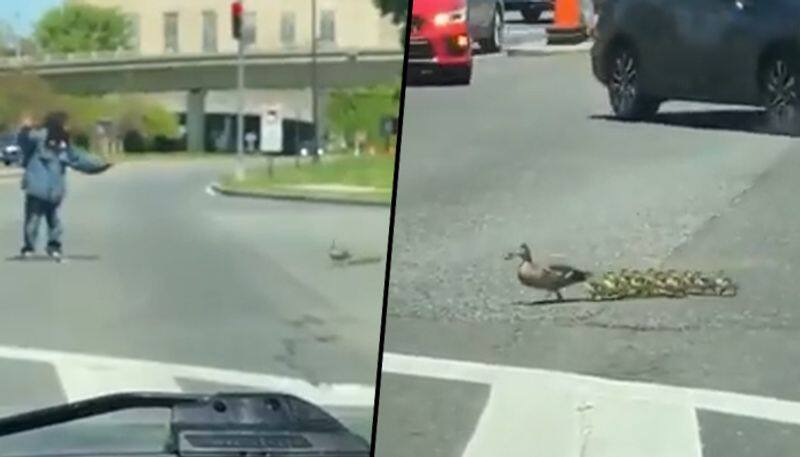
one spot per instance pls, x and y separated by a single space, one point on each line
551 278
337 254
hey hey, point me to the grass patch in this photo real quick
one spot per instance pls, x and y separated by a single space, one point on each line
309 179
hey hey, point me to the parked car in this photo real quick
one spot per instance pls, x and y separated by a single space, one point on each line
442 32
9 150
531 10
744 52
487 23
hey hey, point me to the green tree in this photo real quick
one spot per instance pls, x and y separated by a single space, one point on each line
79 27
361 110
398 9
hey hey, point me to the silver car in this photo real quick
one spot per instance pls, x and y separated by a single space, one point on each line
486 23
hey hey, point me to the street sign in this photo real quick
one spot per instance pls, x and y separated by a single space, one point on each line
272 130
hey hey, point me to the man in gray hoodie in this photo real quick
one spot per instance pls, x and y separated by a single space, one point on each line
46 154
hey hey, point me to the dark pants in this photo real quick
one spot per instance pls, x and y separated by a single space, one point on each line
35 209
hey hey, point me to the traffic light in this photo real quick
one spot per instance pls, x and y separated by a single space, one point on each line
237 13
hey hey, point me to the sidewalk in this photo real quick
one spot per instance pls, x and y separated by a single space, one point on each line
541 48
333 194
342 179
10 173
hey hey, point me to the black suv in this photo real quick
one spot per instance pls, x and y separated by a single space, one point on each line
743 52
531 10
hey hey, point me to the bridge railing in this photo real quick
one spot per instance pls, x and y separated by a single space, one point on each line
125 55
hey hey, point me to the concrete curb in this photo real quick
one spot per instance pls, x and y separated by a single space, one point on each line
548 50
307 198
10 174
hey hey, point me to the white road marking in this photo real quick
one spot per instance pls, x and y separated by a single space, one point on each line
84 381
567 414
83 375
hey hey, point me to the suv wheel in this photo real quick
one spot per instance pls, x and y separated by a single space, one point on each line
780 86
624 90
494 43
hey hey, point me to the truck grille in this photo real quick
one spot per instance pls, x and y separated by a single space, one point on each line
416 24
420 49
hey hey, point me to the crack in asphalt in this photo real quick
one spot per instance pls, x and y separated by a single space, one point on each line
634 327
713 218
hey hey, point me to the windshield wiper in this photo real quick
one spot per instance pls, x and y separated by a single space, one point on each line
221 424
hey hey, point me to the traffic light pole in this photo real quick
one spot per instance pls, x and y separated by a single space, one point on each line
314 84
240 112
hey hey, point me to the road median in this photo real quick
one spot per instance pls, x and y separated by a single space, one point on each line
540 49
365 180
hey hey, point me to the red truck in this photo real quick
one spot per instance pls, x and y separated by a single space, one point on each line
442 33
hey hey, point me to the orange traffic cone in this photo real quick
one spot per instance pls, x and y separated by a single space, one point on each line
568 26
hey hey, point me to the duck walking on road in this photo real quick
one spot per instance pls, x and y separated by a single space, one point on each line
551 278
337 254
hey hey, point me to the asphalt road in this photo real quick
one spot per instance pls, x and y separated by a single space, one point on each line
526 154
160 271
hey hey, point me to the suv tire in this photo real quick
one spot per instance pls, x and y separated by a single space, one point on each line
624 90
780 87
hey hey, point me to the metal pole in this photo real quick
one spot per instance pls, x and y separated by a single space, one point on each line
17 35
314 95
240 110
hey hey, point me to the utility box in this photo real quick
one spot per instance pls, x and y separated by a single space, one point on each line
271 130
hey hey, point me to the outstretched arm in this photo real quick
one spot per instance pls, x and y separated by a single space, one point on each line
84 162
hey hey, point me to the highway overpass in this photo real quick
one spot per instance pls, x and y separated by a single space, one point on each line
102 73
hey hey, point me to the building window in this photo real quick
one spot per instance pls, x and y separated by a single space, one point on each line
287 28
171 32
209 31
133 31
250 27
327 26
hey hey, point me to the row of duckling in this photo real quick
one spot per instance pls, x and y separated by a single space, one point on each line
654 283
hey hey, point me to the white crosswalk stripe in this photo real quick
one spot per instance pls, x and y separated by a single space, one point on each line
85 375
532 412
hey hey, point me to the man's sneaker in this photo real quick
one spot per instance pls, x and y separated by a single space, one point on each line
54 253
26 253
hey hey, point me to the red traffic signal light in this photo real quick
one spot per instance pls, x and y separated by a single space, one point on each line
237 12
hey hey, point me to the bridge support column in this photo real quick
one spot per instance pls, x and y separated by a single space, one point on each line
322 106
196 120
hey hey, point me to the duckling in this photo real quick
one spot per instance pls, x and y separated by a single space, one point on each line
695 284
707 283
639 287
611 276
551 278
670 287
601 291
596 290
724 286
